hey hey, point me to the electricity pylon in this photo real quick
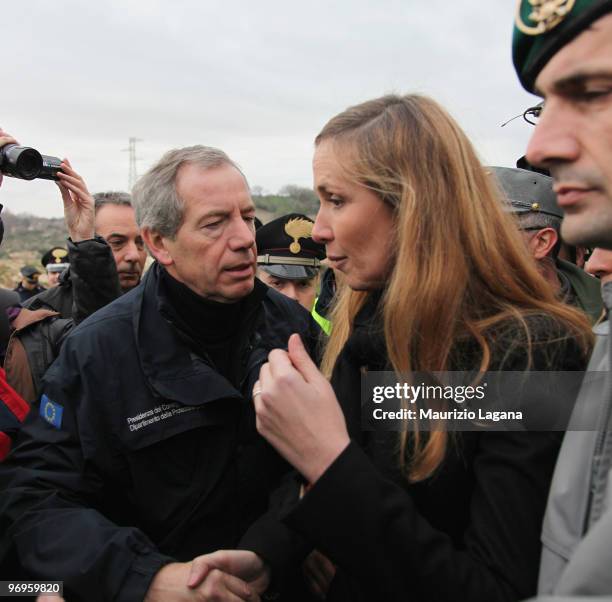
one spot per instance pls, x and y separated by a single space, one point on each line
133 175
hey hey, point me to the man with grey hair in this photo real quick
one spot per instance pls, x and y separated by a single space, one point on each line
149 438
530 197
115 222
104 220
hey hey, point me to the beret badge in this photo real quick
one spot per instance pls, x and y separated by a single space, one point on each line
544 16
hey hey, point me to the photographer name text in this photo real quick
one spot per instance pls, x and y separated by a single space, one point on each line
453 414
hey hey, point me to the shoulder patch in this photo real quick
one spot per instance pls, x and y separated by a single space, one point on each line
51 412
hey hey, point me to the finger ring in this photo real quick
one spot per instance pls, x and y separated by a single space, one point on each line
256 391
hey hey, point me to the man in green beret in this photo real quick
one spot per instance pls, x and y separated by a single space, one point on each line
562 51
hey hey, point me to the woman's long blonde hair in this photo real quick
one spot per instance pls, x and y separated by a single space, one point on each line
460 264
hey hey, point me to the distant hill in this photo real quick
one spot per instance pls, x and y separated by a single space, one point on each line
290 199
27 237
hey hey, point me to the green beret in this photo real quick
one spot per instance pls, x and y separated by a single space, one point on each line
542 27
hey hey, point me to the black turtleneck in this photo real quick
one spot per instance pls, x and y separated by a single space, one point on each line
211 326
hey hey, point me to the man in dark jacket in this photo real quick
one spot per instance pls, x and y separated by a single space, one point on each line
28 286
112 223
106 255
151 455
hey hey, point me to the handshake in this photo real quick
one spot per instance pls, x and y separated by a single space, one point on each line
225 575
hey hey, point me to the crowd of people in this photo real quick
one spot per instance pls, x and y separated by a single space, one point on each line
195 430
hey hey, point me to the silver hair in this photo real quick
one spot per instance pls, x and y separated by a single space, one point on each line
157 204
111 198
539 220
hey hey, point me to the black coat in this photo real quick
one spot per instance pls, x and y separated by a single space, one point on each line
45 321
155 456
26 293
88 284
470 532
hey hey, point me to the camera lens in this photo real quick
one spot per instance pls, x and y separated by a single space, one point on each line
28 164
20 161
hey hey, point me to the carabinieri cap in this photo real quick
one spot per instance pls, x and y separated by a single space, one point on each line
542 27
526 191
55 259
285 248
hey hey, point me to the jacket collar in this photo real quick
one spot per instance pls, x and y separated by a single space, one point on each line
172 370
366 343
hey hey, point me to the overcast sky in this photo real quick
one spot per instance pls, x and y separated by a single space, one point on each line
257 79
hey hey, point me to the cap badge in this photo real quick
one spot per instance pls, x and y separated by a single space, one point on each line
535 206
59 255
545 15
298 228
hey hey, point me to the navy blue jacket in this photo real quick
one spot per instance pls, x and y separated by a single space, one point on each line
139 453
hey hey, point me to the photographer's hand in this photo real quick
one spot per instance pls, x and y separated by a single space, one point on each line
78 204
5 139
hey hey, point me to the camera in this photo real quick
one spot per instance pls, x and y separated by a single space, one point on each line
27 163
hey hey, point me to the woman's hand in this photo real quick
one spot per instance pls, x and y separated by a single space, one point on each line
297 411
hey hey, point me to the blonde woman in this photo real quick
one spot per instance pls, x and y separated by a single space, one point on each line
438 279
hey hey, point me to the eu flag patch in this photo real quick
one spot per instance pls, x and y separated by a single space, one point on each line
51 411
